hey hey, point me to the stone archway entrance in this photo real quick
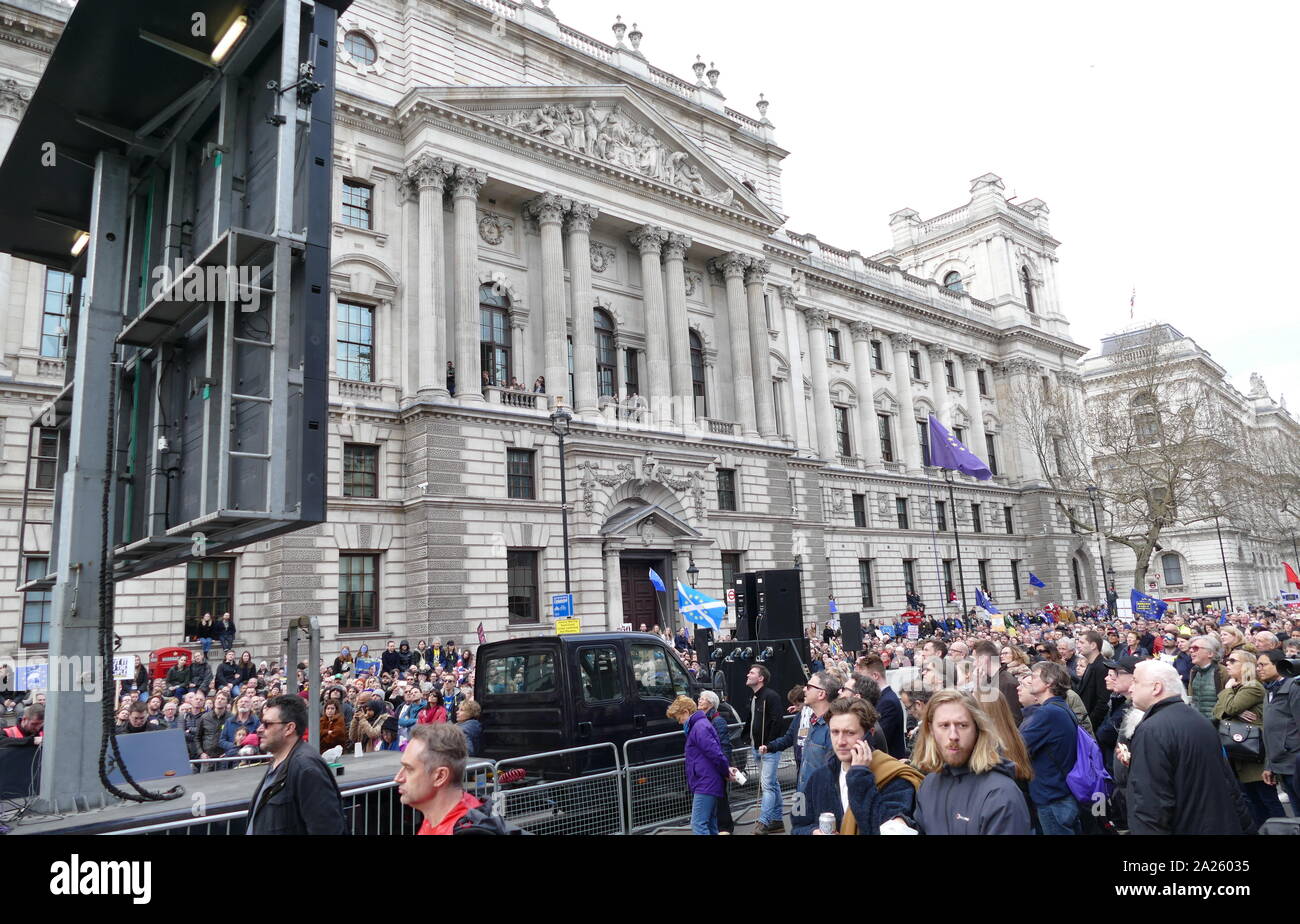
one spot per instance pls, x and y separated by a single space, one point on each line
639 536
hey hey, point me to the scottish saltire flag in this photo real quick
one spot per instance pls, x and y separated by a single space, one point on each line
1146 607
1034 580
656 580
984 603
697 608
946 451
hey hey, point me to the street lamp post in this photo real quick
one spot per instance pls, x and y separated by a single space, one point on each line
1101 549
560 419
1223 556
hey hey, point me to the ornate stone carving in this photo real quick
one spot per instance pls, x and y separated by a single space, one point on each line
789 298
902 341
938 353
644 471
1257 387
860 330
730 264
613 136
817 318
14 98
426 172
1070 379
1022 366
547 209
694 282
676 245
837 500
467 182
756 271
969 360
581 217
492 227
648 238
602 257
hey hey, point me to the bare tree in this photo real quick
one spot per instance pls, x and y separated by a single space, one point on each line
1154 437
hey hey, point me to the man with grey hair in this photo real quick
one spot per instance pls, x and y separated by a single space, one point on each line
1265 641
1207 676
818 692
430 781
1179 781
1065 647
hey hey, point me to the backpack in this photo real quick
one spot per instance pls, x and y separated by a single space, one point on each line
1088 776
477 821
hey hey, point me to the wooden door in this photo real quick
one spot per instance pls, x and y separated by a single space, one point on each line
639 604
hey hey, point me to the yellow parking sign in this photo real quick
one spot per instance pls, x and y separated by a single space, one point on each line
567 626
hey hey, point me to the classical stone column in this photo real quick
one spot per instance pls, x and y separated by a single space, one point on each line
817 359
14 98
613 585
548 210
464 191
868 430
1023 375
970 364
794 340
755 276
427 176
732 267
939 382
902 345
679 332
649 239
578 223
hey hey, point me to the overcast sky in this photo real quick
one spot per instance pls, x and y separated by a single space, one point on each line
1161 135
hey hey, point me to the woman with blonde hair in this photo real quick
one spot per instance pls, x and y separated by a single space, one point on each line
1242 701
969 788
707 767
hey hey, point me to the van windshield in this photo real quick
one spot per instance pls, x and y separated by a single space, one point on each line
533 672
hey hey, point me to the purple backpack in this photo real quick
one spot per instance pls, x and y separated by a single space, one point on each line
1089 776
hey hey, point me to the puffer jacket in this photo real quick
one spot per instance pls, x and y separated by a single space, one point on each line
955 800
706 764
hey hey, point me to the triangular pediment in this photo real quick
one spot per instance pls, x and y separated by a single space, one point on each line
612 125
639 518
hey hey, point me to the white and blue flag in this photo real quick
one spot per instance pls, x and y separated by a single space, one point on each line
699 609
984 603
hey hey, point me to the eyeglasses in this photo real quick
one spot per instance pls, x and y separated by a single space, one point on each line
815 687
269 724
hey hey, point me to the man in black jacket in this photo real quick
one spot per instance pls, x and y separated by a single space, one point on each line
298 795
889 709
1179 781
1092 686
765 713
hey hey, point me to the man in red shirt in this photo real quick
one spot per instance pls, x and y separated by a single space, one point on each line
429 780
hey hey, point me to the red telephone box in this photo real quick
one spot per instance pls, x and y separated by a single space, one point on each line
164 659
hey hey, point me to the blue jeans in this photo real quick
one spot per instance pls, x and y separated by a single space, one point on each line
1060 817
207 646
770 806
703 819
1263 801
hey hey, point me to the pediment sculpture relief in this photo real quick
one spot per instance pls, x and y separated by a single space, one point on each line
611 135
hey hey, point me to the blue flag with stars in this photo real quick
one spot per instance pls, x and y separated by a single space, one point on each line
1035 581
656 580
946 451
1146 606
697 608
984 603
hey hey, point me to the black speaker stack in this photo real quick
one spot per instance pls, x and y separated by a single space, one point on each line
786 659
769 604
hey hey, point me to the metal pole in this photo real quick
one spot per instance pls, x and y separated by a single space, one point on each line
1224 557
1101 551
956 534
564 515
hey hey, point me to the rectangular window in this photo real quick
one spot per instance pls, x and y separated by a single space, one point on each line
36 607
900 508
355 356
923 437
833 344
520 673
984 384
1046 381
1015 578
960 434
767 309
877 356
950 373
731 566
909 575
598 668
947 578
356 204
976 520
1006 518
522 599
984 574
360 470
726 489
54 313
859 510
46 461
886 442
864 578
1058 453
941 515
358 593
992 452
629 372
209 588
914 358
519 474
842 438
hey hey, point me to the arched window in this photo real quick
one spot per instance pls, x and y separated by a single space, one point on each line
494 335
359 48
952 282
1029 289
1172 567
606 356
1078 578
697 376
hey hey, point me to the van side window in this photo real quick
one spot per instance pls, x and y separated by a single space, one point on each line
601 680
656 674
521 673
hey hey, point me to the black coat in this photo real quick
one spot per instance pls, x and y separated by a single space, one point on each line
765 714
890 723
304 799
226 673
1179 781
1092 690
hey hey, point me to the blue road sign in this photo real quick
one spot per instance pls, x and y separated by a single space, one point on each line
562 606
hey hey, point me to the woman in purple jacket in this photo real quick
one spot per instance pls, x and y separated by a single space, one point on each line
706 765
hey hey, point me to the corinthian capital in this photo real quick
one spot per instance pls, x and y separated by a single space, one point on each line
546 209
970 360
860 330
817 318
427 172
788 298
731 265
676 246
756 271
648 238
938 353
14 98
581 217
467 182
902 341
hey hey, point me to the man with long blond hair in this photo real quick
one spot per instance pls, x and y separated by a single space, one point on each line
969 788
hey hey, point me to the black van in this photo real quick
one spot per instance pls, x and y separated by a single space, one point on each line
565 691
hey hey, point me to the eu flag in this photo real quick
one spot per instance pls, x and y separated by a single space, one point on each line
1035 581
656 580
981 600
946 451
699 609
1146 607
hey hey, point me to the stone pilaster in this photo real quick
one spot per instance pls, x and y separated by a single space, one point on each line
548 211
649 240
465 188
427 177
817 359
732 267
939 383
902 346
755 276
868 430
578 223
679 333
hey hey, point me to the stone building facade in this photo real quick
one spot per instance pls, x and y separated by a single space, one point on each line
519 201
